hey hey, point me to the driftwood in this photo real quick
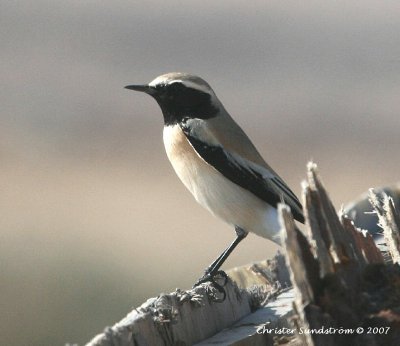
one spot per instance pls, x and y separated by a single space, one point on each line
335 289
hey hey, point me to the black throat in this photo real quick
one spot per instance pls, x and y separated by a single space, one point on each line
177 105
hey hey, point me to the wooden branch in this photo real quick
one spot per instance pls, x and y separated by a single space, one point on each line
187 317
179 317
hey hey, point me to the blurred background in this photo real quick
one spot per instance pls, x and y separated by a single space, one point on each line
93 219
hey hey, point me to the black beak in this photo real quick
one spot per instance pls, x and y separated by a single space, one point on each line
143 88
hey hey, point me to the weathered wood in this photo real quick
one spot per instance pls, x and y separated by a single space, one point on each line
187 317
179 318
271 274
389 221
298 256
364 215
257 328
338 272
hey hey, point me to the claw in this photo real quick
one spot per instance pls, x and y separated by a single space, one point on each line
212 279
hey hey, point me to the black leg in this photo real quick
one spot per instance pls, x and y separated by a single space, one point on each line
213 269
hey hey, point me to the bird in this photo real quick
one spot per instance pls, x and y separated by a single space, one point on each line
217 162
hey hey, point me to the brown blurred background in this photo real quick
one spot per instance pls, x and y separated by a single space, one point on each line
93 219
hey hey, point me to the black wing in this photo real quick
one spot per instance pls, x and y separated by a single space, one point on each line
268 187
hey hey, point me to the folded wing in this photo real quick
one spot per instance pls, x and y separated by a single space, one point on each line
263 183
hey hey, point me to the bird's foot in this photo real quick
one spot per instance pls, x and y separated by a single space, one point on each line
215 291
211 276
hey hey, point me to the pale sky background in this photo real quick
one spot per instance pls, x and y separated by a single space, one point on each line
94 221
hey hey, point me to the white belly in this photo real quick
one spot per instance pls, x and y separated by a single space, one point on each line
213 191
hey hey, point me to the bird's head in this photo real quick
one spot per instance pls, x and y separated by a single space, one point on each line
180 96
